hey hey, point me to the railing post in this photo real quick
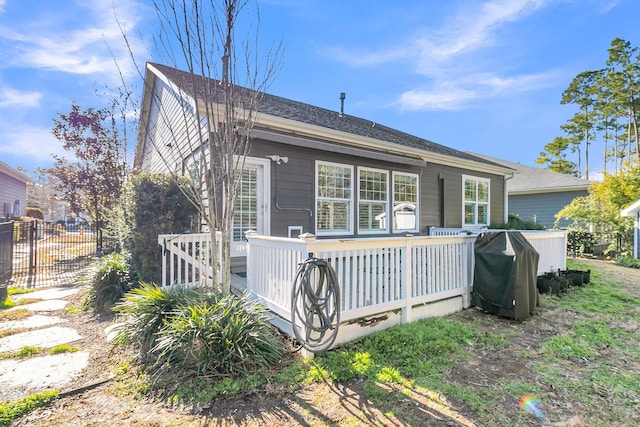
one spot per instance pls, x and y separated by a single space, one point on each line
406 264
307 238
470 264
250 271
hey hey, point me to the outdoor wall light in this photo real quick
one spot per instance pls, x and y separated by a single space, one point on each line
278 158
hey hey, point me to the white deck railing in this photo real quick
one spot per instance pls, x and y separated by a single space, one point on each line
373 266
375 275
551 245
187 259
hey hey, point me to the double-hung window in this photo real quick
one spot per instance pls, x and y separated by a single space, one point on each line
405 202
373 200
334 198
476 201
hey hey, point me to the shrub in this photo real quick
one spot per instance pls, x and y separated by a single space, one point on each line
197 331
146 309
154 205
628 261
231 337
580 242
35 213
515 223
109 282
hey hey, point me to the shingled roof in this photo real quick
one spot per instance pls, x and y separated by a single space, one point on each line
305 113
529 180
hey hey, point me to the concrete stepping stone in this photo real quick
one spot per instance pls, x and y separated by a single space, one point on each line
45 338
54 371
31 322
46 305
47 294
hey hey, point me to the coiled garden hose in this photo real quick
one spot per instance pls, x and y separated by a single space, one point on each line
315 305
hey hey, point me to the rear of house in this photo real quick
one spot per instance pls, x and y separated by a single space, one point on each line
333 175
366 194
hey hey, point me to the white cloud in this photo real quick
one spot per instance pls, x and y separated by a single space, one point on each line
449 58
91 47
29 142
12 98
441 98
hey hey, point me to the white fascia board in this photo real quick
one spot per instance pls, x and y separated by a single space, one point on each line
548 190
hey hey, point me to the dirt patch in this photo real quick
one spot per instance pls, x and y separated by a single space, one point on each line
347 404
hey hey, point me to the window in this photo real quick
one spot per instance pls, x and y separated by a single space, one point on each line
476 200
373 200
405 202
334 194
245 217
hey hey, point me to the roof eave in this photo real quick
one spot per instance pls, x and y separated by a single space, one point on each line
313 131
546 190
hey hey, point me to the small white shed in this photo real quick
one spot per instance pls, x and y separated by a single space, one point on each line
634 211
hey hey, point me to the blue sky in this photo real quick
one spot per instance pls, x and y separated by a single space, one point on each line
480 76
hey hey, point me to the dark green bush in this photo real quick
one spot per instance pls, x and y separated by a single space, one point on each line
580 242
109 282
197 331
154 204
628 261
515 223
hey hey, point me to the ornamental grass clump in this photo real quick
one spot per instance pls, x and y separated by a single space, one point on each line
229 338
197 331
109 281
144 311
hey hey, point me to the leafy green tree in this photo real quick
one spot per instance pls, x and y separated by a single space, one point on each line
608 100
555 157
583 91
600 210
623 79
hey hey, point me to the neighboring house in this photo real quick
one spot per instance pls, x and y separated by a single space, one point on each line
13 192
634 211
42 196
536 194
314 170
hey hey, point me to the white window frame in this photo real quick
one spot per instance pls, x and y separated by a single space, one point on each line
385 202
476 203
265 198
393 201
349 230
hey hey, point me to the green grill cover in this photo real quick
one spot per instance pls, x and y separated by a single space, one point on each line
505 274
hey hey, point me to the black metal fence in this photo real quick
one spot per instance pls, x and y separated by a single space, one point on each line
46 254
6 252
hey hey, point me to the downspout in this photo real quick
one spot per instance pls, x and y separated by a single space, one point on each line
441 199
506 196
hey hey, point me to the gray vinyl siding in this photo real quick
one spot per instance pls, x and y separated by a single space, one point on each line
293 192
11 190
168 143
542 208
453 190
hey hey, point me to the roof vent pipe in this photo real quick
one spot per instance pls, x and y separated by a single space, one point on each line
342 97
